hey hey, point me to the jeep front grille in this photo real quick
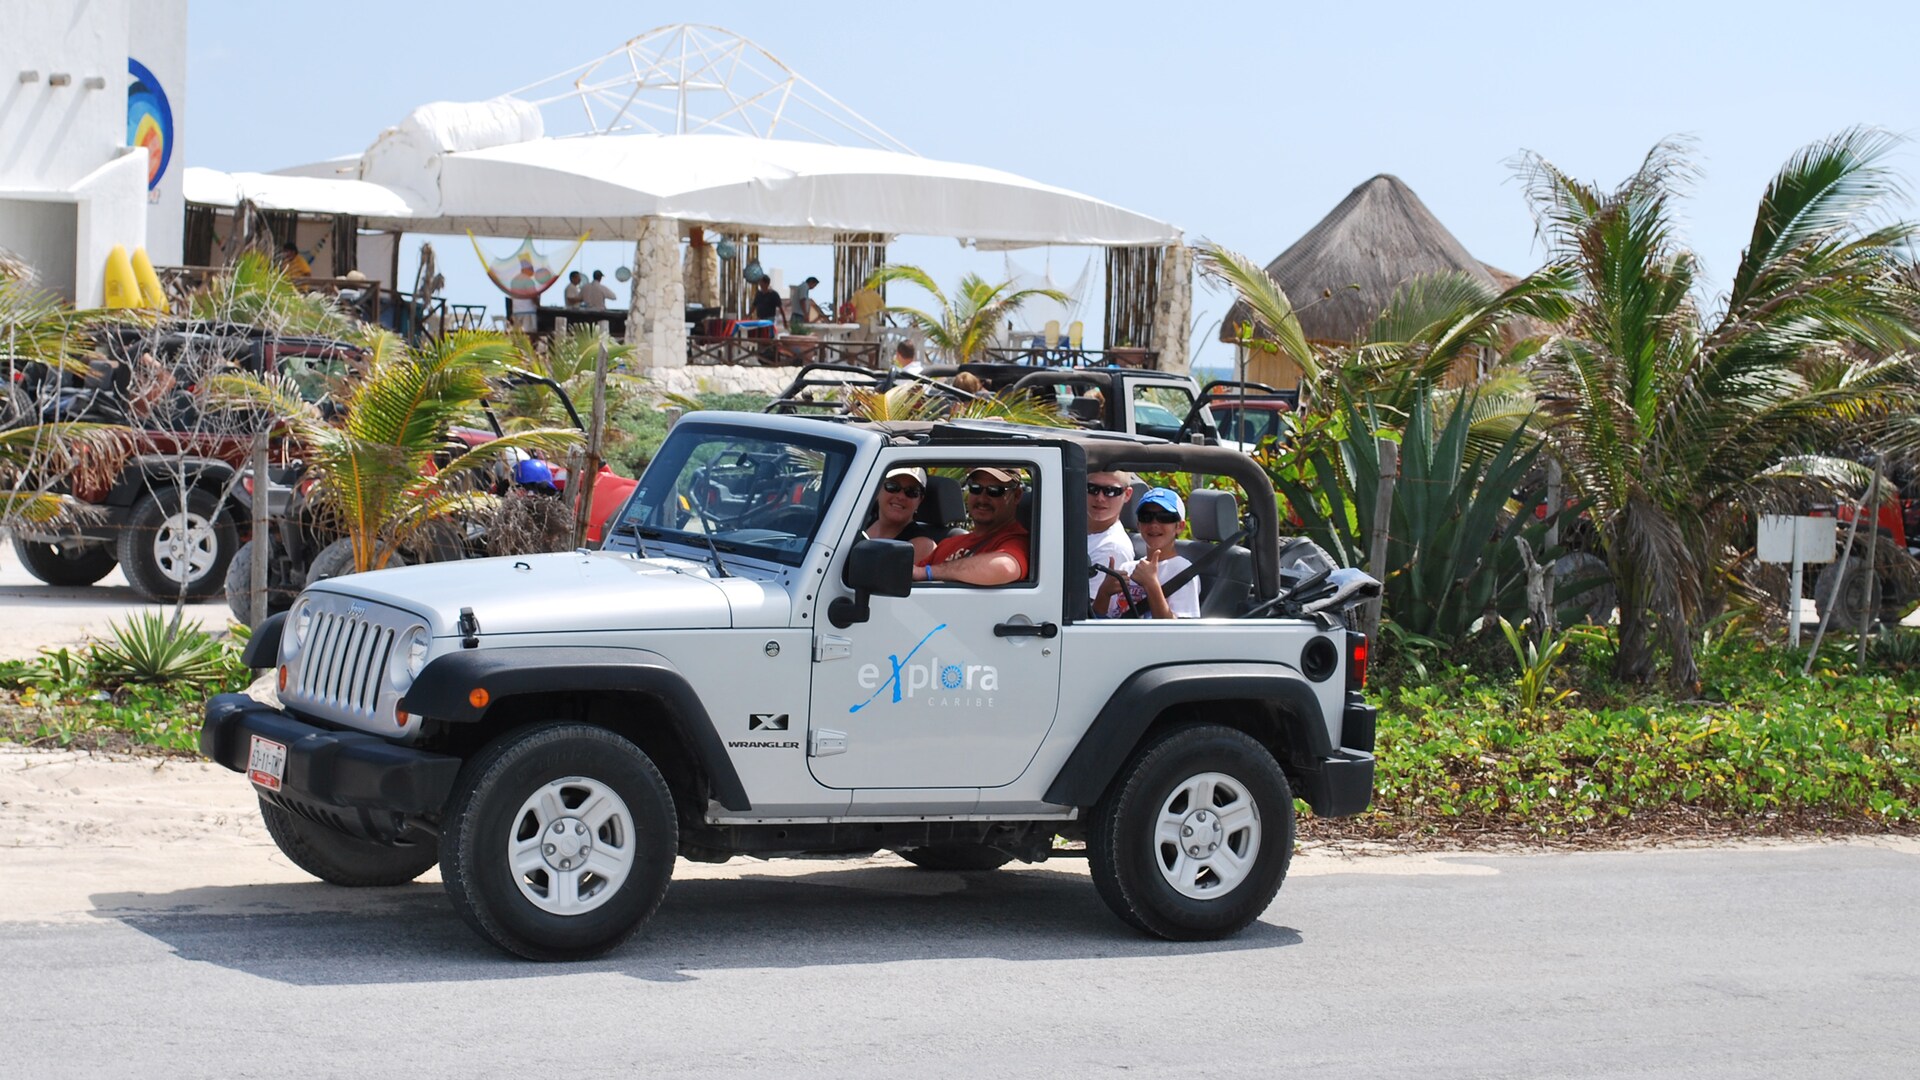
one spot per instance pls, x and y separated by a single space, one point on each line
342 668
347 663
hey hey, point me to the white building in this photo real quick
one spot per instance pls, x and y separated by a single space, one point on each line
91 96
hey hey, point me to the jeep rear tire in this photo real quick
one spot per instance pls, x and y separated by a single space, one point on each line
170 540
240 587
65 564
560 843
339 859
1194 838
957 857
1846 588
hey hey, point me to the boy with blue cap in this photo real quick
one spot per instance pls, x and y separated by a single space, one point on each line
1160 515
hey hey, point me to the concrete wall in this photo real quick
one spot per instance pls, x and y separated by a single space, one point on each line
51 136
64 129
113 210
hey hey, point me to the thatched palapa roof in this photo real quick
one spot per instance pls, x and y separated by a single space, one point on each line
1380 235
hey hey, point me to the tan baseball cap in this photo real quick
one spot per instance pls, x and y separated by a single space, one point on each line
919 475
996 474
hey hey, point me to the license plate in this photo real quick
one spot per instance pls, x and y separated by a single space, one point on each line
267 763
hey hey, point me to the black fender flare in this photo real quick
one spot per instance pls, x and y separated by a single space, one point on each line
445 689
263 647
150 472
1116 731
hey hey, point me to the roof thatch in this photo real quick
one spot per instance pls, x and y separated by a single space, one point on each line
1380 235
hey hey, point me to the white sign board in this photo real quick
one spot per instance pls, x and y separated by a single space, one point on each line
1796 539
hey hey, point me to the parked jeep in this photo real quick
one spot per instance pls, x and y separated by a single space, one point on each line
162 519
741 671
1137 401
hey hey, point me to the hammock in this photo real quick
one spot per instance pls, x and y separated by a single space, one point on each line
525 273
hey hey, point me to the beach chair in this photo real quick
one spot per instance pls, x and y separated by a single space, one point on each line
1076 336
1050 337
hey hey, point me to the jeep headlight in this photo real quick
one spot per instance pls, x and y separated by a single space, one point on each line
412 653
302 621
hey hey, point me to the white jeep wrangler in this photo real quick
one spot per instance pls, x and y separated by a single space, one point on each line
740 672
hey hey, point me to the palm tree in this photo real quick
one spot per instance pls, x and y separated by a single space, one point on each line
1675 423
914 401
965 324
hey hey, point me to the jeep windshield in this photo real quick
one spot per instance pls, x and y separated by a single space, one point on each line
751 495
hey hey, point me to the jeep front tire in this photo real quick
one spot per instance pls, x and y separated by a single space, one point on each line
65 564
560 843
1193 840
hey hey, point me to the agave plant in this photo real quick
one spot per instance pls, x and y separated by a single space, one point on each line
1451 557
148 648
965 324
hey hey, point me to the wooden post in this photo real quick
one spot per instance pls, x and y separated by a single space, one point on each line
262 533
1556 498
597 424
1871 608
1382 519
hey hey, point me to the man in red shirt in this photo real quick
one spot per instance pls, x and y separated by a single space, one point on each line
995 552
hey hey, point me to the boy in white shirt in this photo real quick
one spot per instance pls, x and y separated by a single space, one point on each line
1107 541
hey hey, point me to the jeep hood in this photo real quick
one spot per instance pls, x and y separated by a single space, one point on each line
567 592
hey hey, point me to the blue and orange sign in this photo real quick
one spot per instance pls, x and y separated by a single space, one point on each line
149 120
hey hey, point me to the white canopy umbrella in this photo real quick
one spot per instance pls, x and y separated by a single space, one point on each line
796 191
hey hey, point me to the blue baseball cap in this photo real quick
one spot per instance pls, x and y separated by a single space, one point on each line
533 473
1165 499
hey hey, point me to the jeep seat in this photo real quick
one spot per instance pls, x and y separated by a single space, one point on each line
1213 517
944 505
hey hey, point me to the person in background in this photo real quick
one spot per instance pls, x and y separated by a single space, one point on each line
995 552
804 309
895 510
1107 541
576 291
968 383
903 359
1160 514
595 294
767 305
294 263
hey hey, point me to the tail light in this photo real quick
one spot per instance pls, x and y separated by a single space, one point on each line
246 483
1356 660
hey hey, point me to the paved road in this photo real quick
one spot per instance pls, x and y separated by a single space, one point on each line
197 952
33 615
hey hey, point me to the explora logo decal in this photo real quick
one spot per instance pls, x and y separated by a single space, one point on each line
945 684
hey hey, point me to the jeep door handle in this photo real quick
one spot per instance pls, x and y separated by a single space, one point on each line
1023 629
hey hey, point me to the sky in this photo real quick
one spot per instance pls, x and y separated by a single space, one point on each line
1242 123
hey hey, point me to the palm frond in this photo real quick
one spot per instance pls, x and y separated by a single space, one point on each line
1275 321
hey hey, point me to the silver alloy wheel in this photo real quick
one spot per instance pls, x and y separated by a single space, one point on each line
571 845
1207 836
185 547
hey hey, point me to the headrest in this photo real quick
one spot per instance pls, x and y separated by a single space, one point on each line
944 504
1129 520
1213 515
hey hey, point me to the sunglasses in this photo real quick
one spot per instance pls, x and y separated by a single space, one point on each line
1109 490
996 491
895 487
1148 517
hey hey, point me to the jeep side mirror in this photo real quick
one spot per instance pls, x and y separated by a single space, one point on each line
873 566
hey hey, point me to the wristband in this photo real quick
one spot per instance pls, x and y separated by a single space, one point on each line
929 571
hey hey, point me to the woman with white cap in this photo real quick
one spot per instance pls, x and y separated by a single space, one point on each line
1160 513
895 510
